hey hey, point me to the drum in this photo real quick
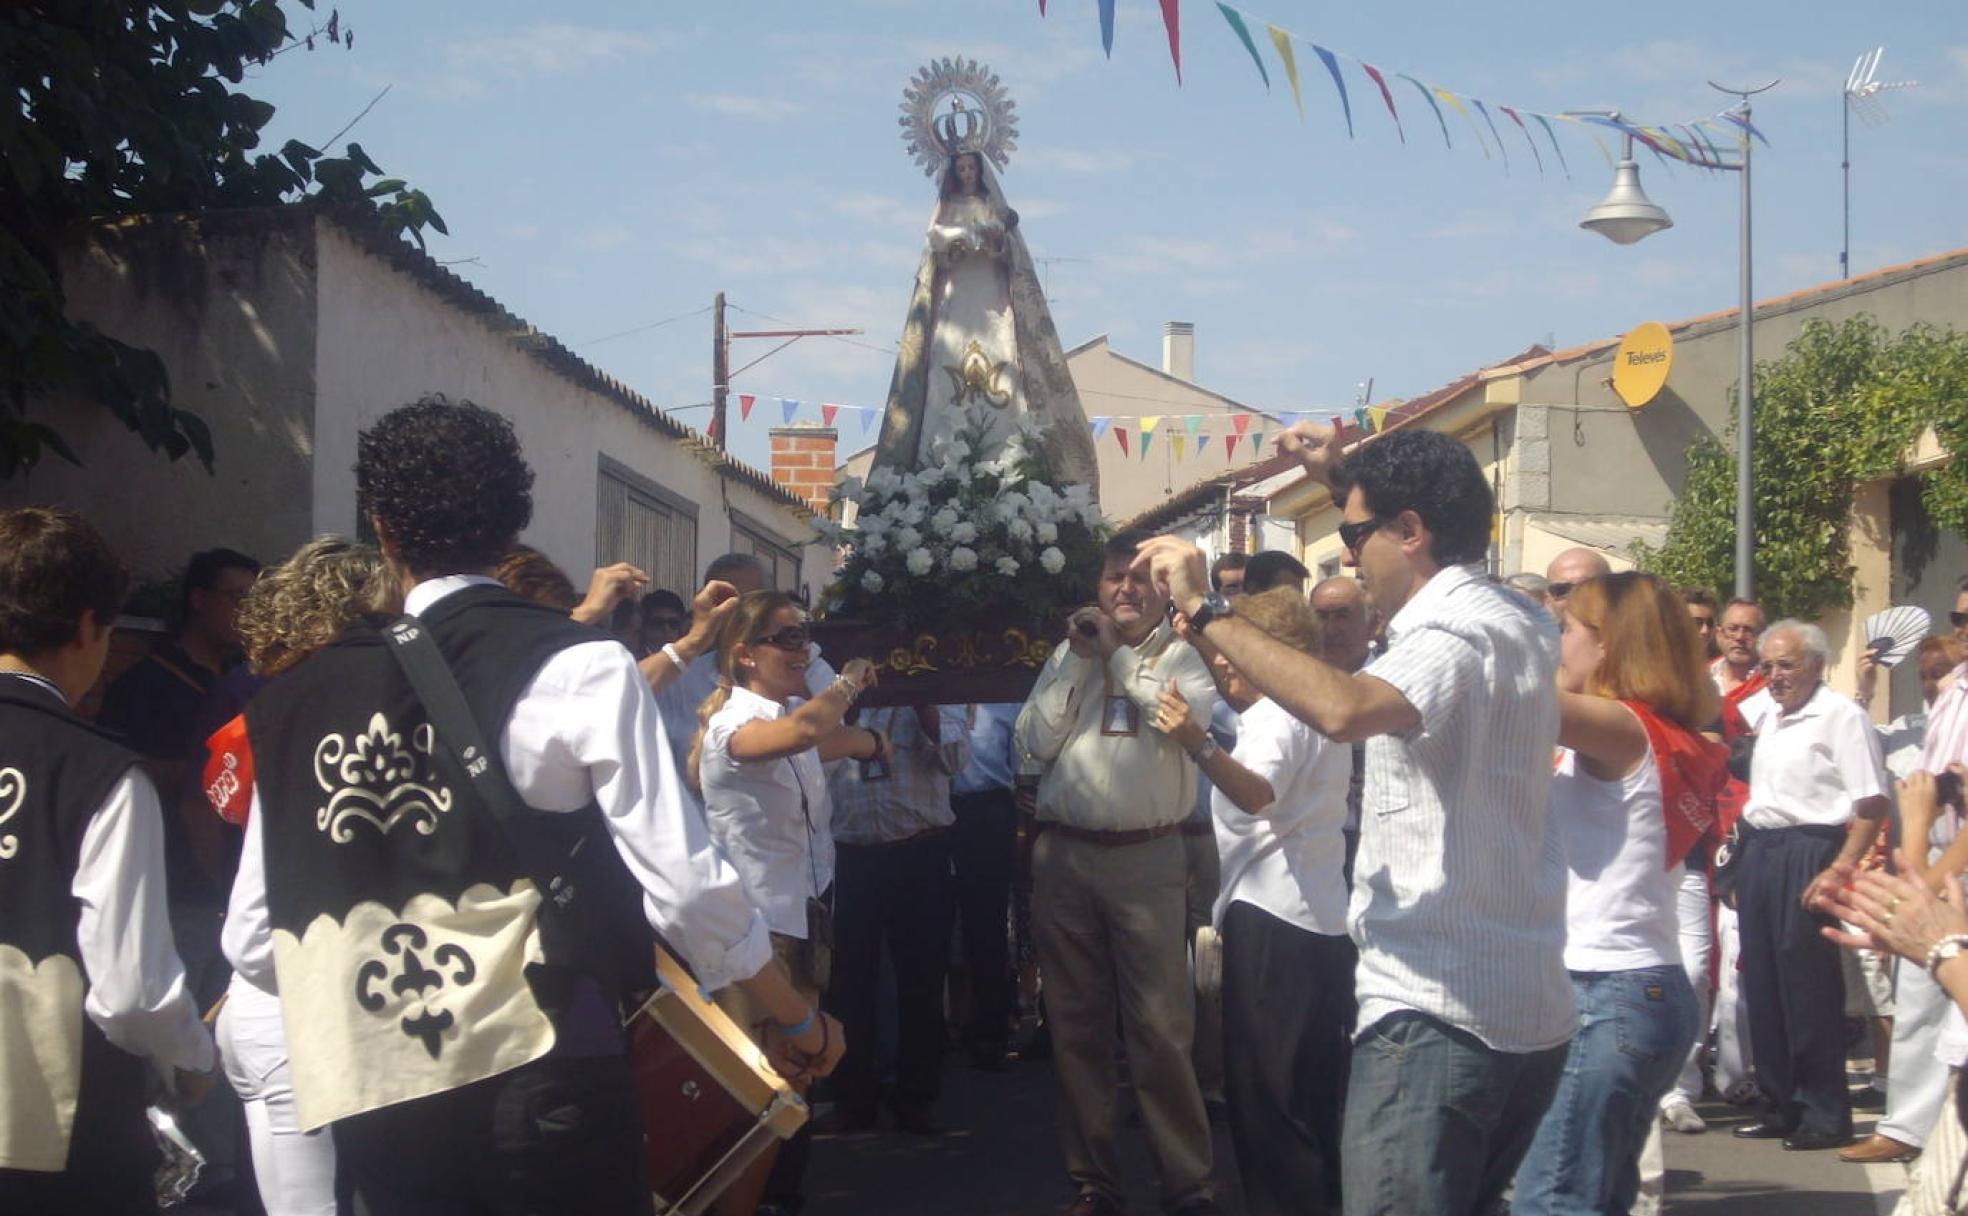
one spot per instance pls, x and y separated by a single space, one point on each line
710 1102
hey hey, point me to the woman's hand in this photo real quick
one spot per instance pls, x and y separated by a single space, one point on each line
810 1055
1920 805
1895 912
1173 719
861 672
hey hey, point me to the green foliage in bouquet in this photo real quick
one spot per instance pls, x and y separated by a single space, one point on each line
978 537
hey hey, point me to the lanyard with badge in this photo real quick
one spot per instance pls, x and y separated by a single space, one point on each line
1120 717
817 952
874 771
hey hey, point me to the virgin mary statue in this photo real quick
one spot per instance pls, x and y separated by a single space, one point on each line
979 340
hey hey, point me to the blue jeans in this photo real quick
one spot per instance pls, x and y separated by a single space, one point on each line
1635 1028
1436 1121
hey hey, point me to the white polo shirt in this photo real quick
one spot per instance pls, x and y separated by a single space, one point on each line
1809 767
773 819
1290 859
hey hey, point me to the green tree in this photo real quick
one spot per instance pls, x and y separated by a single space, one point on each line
1839 408
118 108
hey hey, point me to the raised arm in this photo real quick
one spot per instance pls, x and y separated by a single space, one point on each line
707 612
817 723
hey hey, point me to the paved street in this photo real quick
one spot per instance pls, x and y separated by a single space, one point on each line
1001 1158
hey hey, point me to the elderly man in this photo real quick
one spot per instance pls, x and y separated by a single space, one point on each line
1817 797
1109 879
1465 1009
1737 636
1568 570
1346 640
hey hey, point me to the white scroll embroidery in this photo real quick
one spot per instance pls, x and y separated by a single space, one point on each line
13 792
378 780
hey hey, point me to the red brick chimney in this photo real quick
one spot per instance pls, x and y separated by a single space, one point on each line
803 462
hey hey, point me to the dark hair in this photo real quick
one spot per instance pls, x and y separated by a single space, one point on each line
659 599
447 482
1229 561
947 188
1697 597
1432 475
203 570
731 563
531 575
54 566
1122 545
1740 602
1273 568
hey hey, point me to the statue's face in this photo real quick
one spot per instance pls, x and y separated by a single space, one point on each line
967 174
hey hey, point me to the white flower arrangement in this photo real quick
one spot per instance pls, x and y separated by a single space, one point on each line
978 537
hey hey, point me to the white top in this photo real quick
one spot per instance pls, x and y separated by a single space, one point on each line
772 818
1289 860
680 699
1619 894
585 730
1757 708
882 804
1811 766
1459 886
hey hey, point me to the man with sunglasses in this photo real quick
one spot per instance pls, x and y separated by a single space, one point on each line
1459 900
1567 571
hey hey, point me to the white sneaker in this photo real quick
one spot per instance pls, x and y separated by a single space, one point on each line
1680 1115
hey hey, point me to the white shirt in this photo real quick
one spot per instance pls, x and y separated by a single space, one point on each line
1619 892
584 730
680 699
1809 767
1459 885
911 793
772 818
1757 708
1290 859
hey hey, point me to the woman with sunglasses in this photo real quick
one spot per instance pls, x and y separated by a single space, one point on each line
758 763
1634 791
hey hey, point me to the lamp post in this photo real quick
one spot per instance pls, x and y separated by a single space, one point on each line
1627 215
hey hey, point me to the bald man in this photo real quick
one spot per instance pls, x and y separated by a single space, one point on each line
1568 570
1346 622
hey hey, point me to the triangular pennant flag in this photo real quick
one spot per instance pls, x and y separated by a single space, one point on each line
868 415
1429 96
1360 417
828 413
1236 20
1172 18
1535 154
1257 441
1580 122
1041 8
1120 437
1193 423
1377 415
1177 441
1339 82
1241 422
1149 423
1146 435
788 407
1100 426
1480 109
1553 137
1282 41
1735 117
745 403
1387 97
711 431
1229 446
1456 105
1107 27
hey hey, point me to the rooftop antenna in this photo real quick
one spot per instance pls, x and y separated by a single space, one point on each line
1861 97
1045 275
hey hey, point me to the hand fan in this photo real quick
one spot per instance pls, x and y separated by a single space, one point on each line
1891 635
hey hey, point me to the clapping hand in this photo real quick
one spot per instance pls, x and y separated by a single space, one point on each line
1893 911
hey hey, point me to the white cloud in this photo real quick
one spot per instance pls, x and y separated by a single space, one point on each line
742 105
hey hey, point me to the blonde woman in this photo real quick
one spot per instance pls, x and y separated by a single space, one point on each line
294 610
758 763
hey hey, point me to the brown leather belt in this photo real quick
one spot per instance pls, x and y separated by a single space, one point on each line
1110 839
925 834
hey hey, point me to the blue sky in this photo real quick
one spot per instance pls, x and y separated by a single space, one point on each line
604 165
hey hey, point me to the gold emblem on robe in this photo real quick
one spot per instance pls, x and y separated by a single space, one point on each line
976 378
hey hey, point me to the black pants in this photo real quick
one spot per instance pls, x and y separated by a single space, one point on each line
901 895
557 1135
1287 1021
1792 985
984 851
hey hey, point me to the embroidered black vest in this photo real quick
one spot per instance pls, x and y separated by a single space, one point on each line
55 772
408 943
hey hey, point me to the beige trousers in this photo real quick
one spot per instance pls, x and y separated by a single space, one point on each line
1109 922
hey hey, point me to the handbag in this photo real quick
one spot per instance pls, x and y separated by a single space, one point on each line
1728 867
589 903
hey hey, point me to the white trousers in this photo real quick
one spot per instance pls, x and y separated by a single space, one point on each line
296 1170
1935 1184
1917 1082
1732 1060
1691 904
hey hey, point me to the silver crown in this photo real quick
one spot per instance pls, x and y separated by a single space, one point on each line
953 106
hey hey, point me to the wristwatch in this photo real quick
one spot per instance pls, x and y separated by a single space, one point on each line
1214 605
1945 949
1205 751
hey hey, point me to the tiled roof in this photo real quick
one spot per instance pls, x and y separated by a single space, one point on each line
1209 490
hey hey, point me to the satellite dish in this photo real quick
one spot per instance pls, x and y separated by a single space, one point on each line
1641 363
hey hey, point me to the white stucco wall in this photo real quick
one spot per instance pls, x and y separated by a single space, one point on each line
385 339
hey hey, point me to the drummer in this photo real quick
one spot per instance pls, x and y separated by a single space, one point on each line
765 796
458 1041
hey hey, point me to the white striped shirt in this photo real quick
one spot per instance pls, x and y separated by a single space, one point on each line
1459 888
910 792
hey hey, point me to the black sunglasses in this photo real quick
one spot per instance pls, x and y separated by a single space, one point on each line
1354 535
791 638
1958 619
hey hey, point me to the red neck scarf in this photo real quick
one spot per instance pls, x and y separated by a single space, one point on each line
1692 773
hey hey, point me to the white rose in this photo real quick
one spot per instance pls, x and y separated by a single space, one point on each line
873 543
1053 560
944 519
919 562
908 538
871 582
963 559
1008 566
963 532
1048 533
1018 529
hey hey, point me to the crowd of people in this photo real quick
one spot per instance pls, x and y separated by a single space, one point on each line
1444 892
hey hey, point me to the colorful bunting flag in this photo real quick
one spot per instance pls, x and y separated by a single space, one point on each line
828 413
1456 105
1172 19
1100 426
1282 41
1535 154
745 403
1553 137
1120 437
1387 97
1339 82
1229 447
1177 441
1257 442
788 407
1193 423
868 419
1146 436
1428 95
1493 133
1107 27
1237 26
1377 417
1240 423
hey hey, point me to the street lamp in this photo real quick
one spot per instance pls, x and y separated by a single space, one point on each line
1626 215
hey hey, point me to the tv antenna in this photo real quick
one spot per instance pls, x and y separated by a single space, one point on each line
1045 275
1861 97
